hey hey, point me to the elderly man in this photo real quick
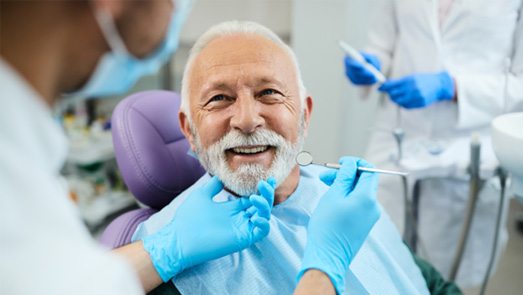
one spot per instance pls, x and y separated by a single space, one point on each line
246 113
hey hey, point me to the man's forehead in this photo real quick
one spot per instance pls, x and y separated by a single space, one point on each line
226 83
240 49
264 60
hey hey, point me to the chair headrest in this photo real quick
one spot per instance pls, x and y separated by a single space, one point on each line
150 148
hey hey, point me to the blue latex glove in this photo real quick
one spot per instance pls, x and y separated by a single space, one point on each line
203 230
357 73
342 221
420 90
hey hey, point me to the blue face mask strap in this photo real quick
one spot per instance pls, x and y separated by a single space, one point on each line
112 36
110 32
182 9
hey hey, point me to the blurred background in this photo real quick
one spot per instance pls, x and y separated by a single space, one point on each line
341 121
311 27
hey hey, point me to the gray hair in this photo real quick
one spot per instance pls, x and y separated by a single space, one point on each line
231 28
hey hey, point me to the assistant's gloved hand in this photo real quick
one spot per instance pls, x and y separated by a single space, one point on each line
420 90
357 73
341 222
203 230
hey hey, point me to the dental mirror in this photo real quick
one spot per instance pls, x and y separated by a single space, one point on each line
305 158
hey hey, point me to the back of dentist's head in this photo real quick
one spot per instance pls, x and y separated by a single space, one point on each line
88 48
118 69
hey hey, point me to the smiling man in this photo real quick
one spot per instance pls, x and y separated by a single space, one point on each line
245 112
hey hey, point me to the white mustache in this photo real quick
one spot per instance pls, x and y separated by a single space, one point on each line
245 178
235 138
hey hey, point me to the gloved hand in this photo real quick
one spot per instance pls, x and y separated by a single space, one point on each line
420 90
341 222
357 73
203 230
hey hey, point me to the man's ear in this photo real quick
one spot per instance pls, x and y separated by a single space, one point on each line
307 113
186 129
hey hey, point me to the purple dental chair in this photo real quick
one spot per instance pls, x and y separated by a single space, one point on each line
151 153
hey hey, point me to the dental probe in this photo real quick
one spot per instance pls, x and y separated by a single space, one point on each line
304 158
366 169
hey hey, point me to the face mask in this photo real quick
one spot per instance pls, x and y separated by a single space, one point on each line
117 70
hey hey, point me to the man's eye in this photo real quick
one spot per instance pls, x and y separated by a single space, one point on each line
218 101
268 92
218 97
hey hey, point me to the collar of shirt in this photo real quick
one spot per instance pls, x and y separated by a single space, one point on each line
27 126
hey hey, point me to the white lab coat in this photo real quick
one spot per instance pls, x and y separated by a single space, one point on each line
480 43
44 247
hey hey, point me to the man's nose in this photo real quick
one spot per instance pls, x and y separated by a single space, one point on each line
247 117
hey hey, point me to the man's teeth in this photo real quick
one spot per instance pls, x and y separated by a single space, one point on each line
252 150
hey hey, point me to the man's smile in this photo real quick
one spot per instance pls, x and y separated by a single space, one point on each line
250 149
255 154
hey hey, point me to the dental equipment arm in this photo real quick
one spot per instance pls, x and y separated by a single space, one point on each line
503 177
474 188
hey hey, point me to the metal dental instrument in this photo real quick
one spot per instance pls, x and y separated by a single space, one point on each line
304 158
354 54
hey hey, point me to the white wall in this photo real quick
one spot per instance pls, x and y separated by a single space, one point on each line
275 14
341 121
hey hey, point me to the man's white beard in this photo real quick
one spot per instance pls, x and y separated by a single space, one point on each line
244 180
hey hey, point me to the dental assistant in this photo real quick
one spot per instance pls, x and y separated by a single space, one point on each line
453 65
91 48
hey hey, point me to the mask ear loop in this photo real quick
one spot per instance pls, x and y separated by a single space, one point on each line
109 31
